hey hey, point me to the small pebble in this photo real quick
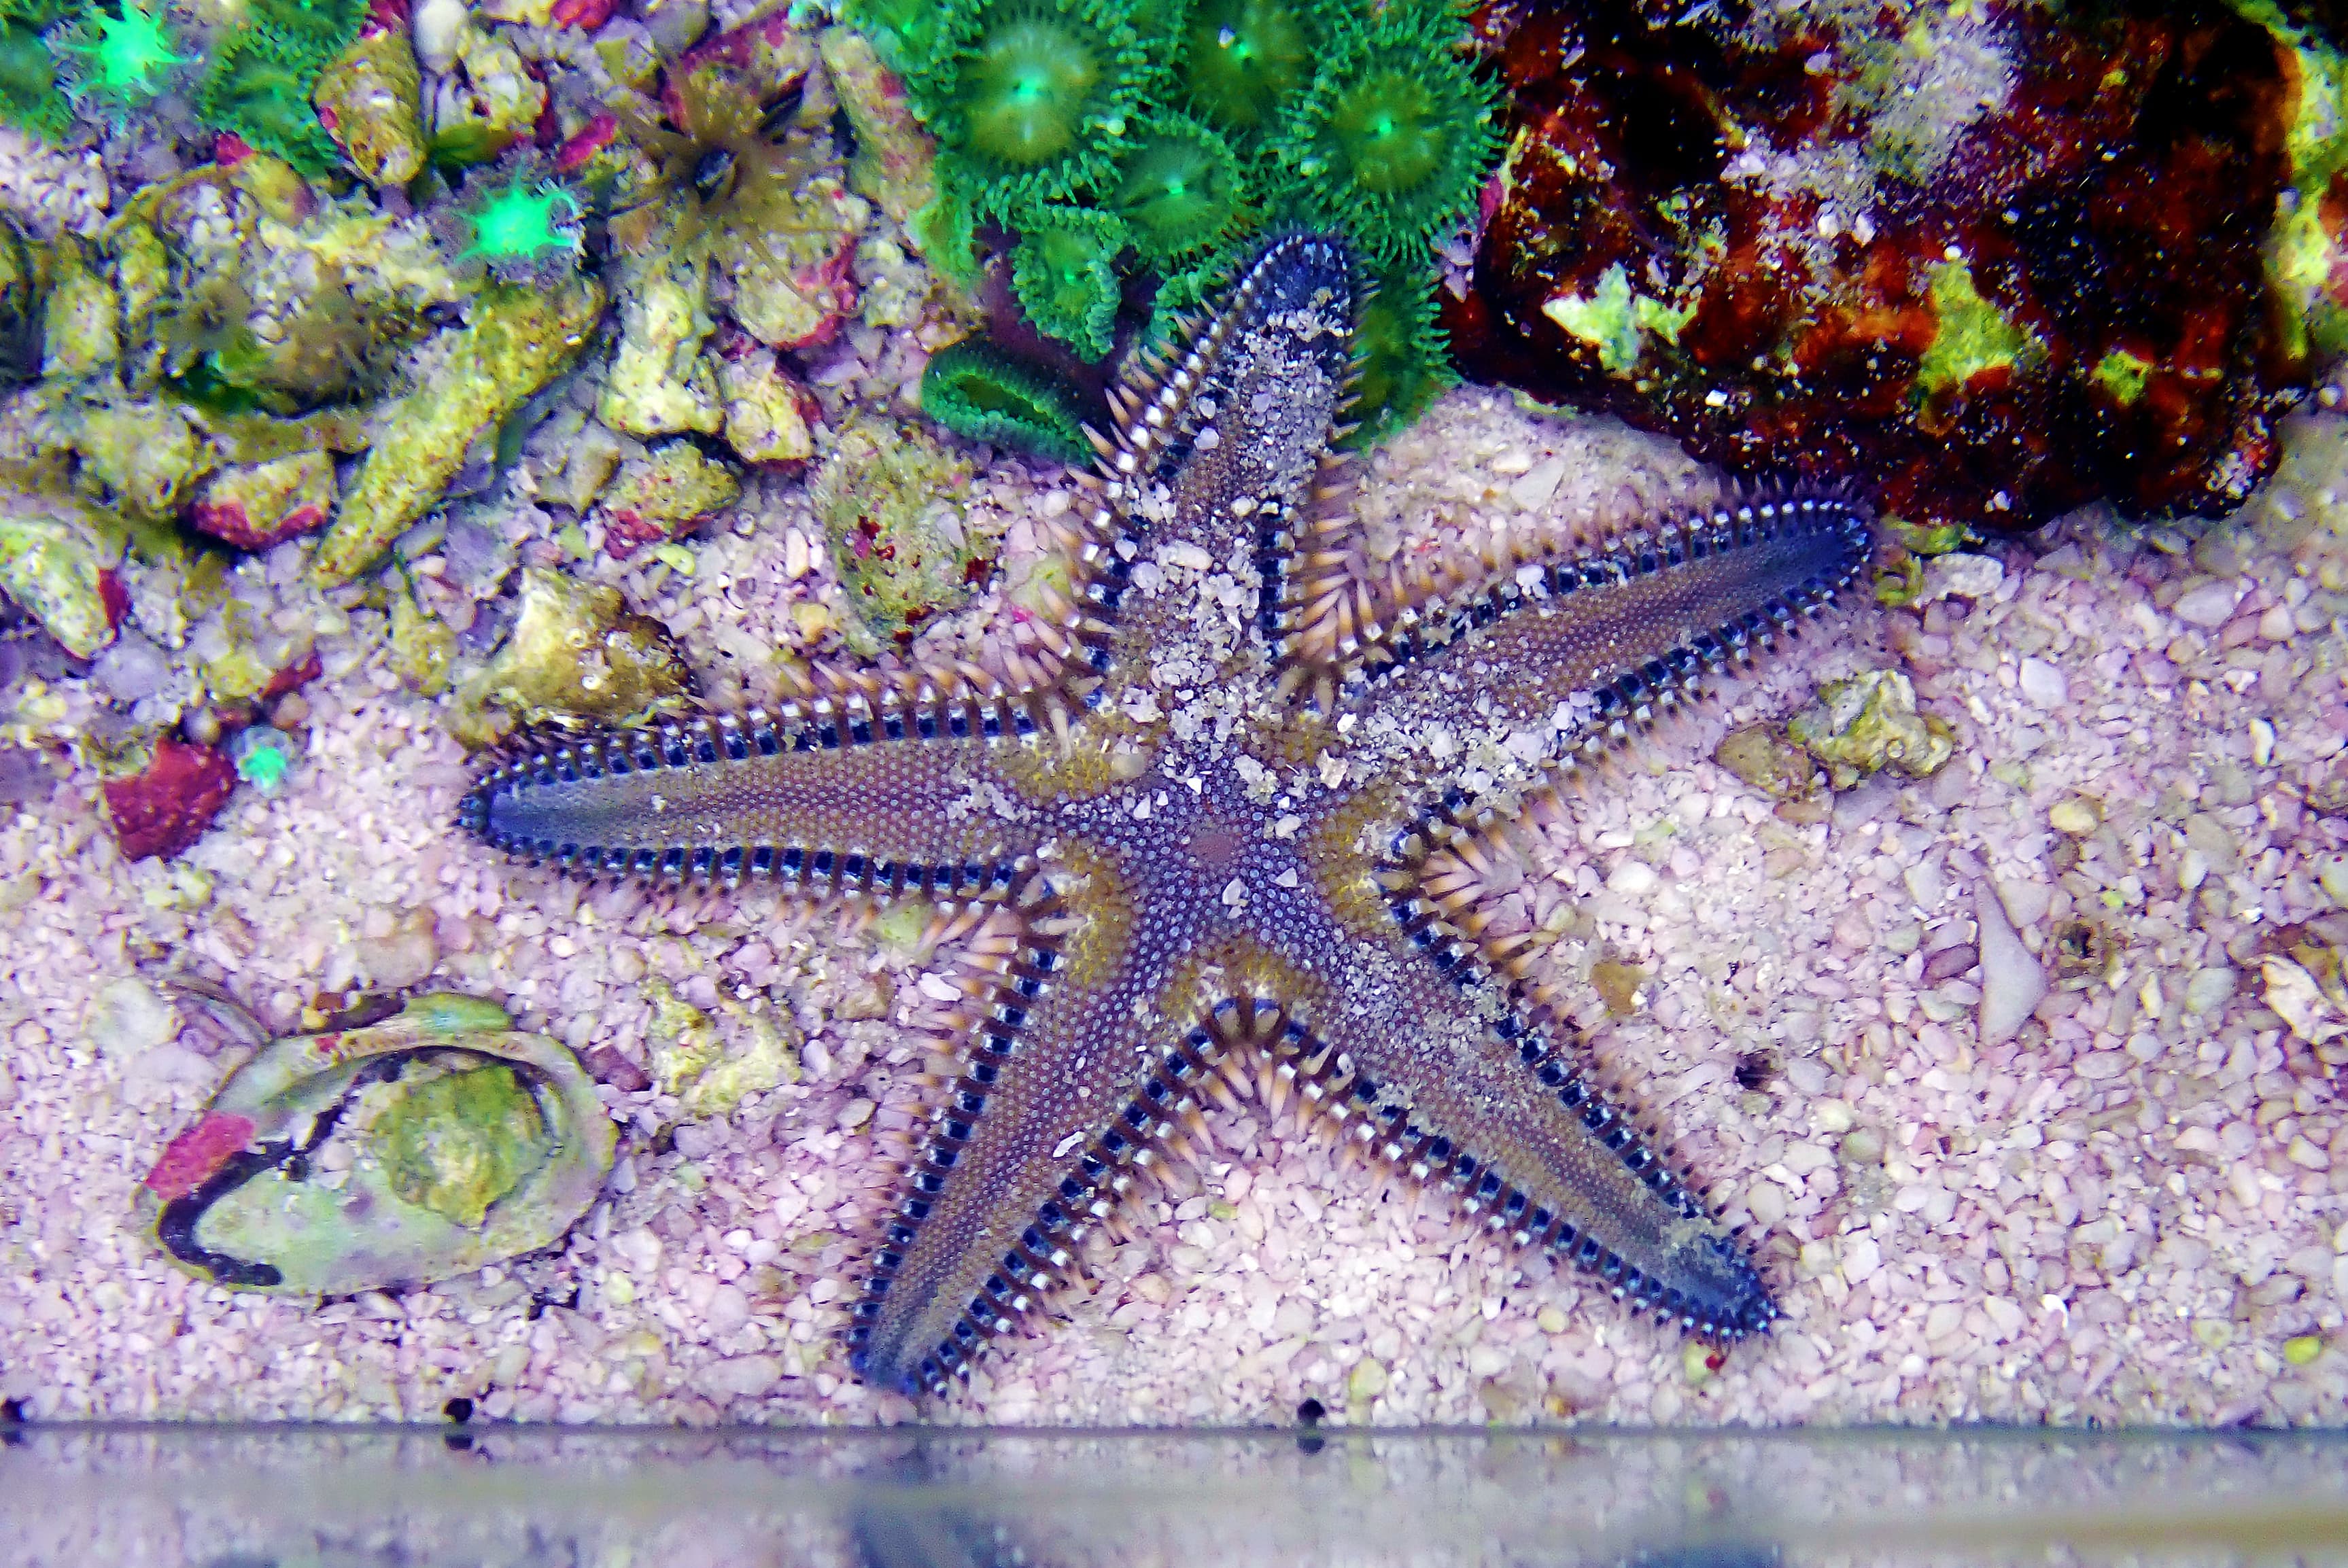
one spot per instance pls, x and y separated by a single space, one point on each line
2301 1350
2075 817
1633 879
2209 607
2043 684
2209 990
2013 983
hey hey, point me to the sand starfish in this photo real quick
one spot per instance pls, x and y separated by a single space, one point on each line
1231 830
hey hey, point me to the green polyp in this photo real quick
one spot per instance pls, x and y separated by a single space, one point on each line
976 391
256 91
907 34
1037 93
1028 90
459 1143
2121 376
132 51
519 223
1392 140
1616 321
1974 335
1243 61
1179 190
1387 129
1062 274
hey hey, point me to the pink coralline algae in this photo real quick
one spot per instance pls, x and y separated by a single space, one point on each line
190 1159
166 805
265 504
1992 264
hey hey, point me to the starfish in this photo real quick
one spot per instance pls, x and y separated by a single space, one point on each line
1228 829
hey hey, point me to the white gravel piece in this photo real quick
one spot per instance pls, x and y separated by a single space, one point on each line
2012 982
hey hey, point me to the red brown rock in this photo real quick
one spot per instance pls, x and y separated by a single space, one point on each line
1988 263
166 805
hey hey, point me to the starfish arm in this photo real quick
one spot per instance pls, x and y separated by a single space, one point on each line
1565 659
1068 1073
1216 457
1592 637
1400 1026
831 799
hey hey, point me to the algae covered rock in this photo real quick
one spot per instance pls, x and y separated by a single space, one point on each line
895 159
490 102
889 500
411 1150
660 384
161 796
369 99
516 342
1865 724
24 283
149 454
423 646
254 506
240 284
576 653
661 495
767 413
79 332
56 561
1764 759
789 261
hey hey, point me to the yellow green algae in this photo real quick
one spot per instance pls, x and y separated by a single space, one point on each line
575 652
518 340
2303 245
692 1061
2122 375
1868 723
1974 336
460 1142
1615 320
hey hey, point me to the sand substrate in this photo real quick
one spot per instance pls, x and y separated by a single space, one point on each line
2134 1208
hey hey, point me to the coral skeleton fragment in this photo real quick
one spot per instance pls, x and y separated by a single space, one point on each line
1225 839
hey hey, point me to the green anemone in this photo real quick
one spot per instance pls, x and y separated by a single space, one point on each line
1245 61
974 389
1405 366
1037 95
123 60
521 225
255 91
1179 189
1063 275
1395 137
